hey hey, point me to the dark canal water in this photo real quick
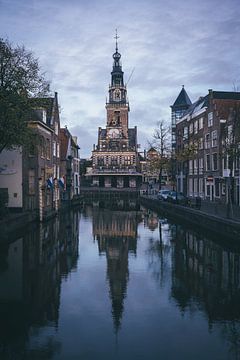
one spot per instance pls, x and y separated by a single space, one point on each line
111 284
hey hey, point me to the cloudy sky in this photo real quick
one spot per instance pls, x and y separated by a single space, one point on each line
167 43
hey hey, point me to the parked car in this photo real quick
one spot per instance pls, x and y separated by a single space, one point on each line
177 198
162 194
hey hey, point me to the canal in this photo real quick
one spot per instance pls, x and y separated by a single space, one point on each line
118 282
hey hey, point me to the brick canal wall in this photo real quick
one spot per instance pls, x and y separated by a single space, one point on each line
219 225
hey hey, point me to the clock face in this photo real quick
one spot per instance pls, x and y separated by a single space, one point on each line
117 95
114 133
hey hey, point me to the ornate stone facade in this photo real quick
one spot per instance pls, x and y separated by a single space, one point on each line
115 158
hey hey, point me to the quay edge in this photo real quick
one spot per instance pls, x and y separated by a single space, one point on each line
215 224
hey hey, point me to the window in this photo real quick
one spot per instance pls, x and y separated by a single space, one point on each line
185 133
215 161
207 141
200 165
191 128
230 134
195 126
214 138
48 149
190 167
195 166
31 181
200 143
58 150
54 148
42 146
195 185
190 186
210 119
208 164
217 187
200 123
208 190
200 186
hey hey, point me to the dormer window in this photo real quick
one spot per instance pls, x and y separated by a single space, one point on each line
41 114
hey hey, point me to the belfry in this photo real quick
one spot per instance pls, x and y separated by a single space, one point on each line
115 159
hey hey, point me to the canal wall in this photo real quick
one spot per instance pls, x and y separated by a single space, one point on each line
218 225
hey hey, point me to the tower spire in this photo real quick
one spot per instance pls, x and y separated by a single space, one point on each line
116 37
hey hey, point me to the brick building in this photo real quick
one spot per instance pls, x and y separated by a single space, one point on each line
204 165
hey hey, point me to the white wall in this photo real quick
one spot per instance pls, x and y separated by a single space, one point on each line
11 176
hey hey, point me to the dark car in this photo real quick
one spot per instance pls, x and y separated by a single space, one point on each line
177 198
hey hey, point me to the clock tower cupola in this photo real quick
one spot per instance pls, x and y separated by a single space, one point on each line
117 105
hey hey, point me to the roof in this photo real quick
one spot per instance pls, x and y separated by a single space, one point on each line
197 106
203 101
182 99
226 95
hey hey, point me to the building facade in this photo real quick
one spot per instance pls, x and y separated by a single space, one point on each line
70 165
207 148
31 175
115 159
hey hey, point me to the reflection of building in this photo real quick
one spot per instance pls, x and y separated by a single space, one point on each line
203 270
115 160
31 269
116 233
150 219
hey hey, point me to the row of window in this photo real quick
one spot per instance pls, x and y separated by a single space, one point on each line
115 160
197 125
196 166
199 187
211 163
45 148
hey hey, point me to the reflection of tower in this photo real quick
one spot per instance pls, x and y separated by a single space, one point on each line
116 233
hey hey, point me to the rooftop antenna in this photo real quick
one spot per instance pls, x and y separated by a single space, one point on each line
130 76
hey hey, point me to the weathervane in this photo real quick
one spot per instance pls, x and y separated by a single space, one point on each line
116 37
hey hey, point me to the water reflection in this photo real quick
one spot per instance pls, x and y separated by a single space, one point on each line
32 267
205 277
115 230
169 289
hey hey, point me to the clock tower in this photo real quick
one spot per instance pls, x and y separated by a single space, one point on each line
117 105
115 158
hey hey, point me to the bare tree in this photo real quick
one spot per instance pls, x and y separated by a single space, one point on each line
231 149
161 143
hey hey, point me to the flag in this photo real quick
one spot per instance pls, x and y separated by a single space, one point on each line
61 182
50 182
